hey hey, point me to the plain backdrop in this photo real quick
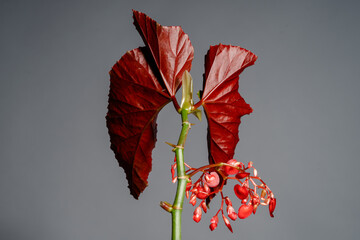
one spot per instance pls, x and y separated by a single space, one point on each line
59 179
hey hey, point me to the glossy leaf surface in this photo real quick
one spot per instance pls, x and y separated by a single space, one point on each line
135 99
170 47
221 100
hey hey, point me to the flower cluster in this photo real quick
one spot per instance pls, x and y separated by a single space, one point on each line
211 182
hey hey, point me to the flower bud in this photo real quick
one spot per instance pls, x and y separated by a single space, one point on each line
227 223
255 202
197 214
272 205
255 172
193 199
231 212
213 226
203 206
202 193
214 219
255 208
228 201
255 199
263 193
214 222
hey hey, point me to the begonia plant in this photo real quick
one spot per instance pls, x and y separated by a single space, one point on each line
147 78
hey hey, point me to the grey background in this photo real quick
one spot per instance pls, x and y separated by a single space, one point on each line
59 178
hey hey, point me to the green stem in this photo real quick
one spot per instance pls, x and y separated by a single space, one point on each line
182 178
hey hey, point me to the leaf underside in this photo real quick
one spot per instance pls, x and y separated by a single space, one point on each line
221 100
135 99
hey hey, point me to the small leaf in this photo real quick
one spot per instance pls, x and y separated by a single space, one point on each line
187 91
197 113
135 99
166 206
221 100
199 94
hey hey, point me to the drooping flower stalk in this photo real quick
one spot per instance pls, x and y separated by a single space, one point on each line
212 181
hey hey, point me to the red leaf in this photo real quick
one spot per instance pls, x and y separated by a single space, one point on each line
135 99
221 100
170 48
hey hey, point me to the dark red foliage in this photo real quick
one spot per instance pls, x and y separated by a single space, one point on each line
143 81
135 99
221 100
170 48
